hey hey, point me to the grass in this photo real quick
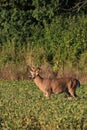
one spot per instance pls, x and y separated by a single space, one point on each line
23 107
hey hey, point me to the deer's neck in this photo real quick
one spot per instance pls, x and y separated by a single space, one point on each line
38 80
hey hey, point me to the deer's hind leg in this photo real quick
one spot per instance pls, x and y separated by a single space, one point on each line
68 95
72 92
71 89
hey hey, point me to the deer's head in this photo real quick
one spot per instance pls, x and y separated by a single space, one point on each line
34 71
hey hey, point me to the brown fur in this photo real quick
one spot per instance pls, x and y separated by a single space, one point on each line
54 85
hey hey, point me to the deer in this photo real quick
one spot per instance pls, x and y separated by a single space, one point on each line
54 85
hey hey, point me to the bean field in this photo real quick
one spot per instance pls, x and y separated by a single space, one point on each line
24 107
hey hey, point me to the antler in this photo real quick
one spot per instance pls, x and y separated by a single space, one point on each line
28 68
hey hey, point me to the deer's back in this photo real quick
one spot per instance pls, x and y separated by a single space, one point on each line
59 85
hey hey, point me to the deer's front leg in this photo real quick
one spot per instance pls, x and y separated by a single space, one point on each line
47 95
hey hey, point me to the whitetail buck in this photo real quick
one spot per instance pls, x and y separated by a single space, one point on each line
56 85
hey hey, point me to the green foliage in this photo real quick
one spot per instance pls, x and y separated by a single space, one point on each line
22 106
83 61
54 37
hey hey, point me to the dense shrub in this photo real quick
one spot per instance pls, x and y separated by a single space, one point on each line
38 32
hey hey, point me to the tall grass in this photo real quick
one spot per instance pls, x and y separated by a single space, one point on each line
61 44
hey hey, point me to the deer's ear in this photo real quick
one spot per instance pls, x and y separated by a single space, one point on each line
38 69
28 68
33 68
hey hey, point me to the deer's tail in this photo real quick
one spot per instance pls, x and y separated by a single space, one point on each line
75 83
78 83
